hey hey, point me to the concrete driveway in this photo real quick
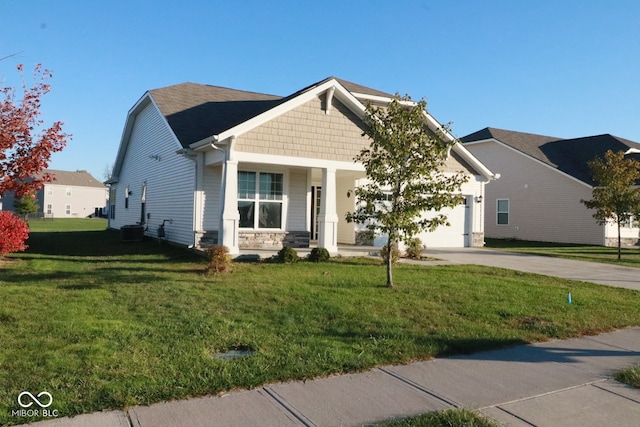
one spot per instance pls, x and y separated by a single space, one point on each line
604 274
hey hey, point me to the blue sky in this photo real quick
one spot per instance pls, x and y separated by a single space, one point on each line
565 68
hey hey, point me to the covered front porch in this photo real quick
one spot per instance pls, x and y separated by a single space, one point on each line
265 206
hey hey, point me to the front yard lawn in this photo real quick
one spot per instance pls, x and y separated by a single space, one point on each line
630 256
102 324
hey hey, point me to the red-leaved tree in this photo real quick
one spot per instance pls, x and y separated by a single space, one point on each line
25 144
13 233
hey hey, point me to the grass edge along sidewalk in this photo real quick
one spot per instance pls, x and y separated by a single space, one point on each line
101 324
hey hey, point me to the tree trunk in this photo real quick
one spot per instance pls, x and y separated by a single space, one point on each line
389 263
619 242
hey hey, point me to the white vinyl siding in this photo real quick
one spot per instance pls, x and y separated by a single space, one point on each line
544 203
297 200
83 200
211 209
151 157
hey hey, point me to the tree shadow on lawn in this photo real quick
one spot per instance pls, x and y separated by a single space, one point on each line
104 243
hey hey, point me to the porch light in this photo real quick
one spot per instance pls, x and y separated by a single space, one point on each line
348 194
479 199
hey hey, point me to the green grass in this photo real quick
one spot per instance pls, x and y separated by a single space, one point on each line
448 418
629 376
630 256
67 224
103 324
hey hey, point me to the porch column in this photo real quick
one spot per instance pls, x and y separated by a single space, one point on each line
328 217
198 194
230 218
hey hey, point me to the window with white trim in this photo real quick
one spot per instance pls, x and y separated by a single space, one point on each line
49 190
67 209
49 209
260 198
68 191
502 211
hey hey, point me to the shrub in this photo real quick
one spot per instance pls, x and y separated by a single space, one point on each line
414 248
319 255
14 233
219 259
287 255
395 253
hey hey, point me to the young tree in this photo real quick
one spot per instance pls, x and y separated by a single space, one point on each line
615 196
404 170
26 204
25 145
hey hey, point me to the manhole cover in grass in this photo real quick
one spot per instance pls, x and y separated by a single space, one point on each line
235 352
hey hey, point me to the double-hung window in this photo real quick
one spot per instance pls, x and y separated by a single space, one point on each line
502 212
260 196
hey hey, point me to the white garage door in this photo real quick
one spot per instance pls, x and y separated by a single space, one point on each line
455 236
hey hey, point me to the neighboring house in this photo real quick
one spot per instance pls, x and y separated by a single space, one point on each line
543 179
68 195
250 170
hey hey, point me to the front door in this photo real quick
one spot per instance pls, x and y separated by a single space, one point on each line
316 197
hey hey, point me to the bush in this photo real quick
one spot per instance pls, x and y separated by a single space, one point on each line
14 233
395 253
414 248
287 255
219 259
319 255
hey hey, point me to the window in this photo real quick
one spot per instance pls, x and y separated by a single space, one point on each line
49 209
502 211
67 209
260 199
49 190
68 191
126 197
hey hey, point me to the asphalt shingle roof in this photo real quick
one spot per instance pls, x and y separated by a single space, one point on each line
80 178
195 111
567 155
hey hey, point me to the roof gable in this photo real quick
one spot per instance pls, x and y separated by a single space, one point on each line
570 156
195 111
79 178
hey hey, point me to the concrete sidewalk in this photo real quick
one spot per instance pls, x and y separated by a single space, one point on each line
558 383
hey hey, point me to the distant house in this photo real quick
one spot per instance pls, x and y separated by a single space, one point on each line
250 170
68 195
543 179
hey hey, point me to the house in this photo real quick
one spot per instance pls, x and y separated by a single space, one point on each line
69 194
251 170
543 179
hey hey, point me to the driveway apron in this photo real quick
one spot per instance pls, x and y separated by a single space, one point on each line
604 274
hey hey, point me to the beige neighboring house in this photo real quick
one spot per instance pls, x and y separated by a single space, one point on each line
69 195
543 179
251 170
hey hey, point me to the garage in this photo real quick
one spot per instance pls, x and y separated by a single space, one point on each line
457 235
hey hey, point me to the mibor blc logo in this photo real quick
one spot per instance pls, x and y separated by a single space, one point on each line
34 406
